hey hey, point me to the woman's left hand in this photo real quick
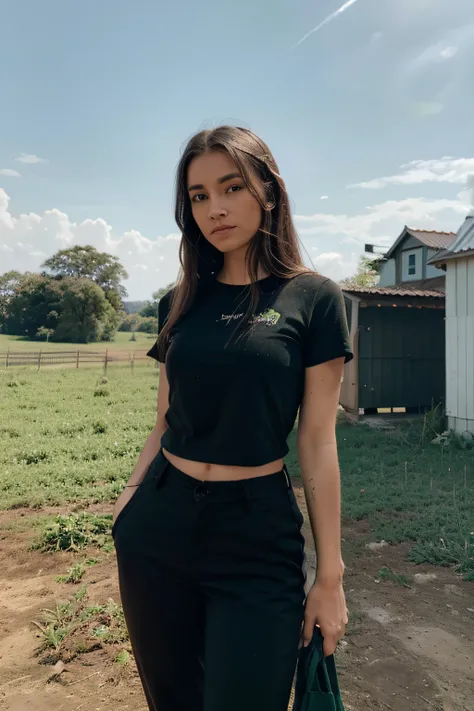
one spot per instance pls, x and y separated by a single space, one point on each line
326 609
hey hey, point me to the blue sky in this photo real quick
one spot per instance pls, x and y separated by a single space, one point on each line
98 98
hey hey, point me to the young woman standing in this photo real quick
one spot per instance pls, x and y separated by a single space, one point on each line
207 531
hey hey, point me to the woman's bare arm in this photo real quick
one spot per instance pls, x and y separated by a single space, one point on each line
317 453
152 443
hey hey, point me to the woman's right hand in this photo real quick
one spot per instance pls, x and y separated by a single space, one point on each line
122 500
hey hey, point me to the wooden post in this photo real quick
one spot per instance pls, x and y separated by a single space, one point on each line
8 356
133 361
39 358
77 358
106 361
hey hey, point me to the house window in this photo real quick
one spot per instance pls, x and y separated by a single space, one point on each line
412 264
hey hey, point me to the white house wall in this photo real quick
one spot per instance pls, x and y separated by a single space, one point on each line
431 271
460 344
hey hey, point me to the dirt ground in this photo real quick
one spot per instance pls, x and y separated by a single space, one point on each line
406 648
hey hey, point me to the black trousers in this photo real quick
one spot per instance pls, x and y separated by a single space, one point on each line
212 586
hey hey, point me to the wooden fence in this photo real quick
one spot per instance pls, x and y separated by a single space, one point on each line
40 359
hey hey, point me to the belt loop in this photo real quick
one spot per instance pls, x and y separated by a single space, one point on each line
287 476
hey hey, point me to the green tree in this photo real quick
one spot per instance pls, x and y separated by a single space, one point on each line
43 332
151 308
87 262
148 325
86 313
131 322
367 274
8 283
34 301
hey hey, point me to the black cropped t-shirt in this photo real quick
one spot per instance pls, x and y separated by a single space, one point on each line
234 394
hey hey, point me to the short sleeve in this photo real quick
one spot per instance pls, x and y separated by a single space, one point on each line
328 334
164 306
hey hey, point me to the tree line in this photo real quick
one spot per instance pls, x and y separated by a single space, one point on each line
76 298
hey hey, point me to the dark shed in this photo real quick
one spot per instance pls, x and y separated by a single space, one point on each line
398 337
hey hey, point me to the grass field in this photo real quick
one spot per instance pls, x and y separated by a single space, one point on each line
69 440
66 436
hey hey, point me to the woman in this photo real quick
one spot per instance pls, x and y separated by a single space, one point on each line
207 530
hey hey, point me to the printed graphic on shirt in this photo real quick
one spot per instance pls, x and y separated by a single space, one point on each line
270 317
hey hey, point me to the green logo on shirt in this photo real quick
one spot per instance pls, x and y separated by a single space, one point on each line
270 317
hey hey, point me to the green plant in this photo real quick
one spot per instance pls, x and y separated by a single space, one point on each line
386 573
99 623
76 572
99 427
101 391
74 532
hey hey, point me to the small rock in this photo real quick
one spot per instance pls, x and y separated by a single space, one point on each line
423 578
59 667
376 545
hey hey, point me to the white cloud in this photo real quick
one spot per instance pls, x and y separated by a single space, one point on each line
29 158
27 240
384 221
434 54
324 197
448 52
336 265
444 170
9 173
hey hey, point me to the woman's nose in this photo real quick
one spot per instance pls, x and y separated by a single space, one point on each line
217 211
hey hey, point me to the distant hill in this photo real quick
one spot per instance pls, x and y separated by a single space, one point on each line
133 307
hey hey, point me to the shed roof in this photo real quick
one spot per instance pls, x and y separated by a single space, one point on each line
433 288
462 246
430 238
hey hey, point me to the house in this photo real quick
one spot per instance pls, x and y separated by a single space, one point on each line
397 329
408 259
457 262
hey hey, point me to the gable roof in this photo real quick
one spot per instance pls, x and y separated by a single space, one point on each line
430 238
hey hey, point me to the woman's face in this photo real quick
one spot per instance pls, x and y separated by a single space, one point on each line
224 209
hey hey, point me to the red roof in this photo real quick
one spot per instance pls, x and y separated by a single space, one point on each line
430 238
424 288
433 238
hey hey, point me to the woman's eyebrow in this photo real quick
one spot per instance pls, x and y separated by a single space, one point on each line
224 179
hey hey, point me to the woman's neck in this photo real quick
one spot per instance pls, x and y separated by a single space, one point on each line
234 271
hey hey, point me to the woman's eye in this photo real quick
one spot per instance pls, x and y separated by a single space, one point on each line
199 197
235 187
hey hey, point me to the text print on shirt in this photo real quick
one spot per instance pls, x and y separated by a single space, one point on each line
270 317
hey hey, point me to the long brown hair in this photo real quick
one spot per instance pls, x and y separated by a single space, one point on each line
274 248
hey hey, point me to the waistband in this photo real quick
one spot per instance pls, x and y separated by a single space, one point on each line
163 470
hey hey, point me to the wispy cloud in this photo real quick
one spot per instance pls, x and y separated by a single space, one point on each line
383 221
324 197
29 158
445 170
326 21
9 173
435 54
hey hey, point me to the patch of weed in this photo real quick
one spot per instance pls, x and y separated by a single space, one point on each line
74 532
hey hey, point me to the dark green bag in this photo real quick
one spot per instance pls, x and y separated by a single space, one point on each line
317 687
